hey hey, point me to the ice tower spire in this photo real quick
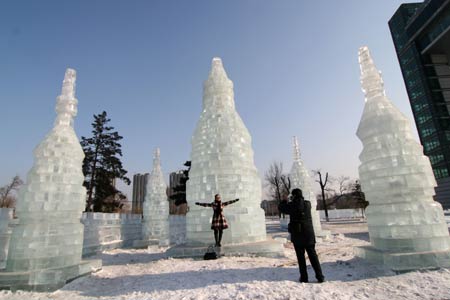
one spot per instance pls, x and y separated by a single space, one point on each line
218 88
66 103
297 156
371 81
156 162
217 71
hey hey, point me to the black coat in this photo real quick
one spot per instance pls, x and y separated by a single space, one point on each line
299 213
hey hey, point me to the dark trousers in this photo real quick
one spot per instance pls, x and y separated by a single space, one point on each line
314 260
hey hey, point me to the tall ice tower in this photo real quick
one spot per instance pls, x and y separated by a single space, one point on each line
47 239
407 228
222 163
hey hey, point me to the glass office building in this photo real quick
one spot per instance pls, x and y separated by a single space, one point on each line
421 35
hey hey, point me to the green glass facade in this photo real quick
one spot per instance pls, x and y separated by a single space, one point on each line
421 35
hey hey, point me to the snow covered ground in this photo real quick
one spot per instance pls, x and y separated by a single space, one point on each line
146 274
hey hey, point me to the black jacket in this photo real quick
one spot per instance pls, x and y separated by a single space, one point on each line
300 214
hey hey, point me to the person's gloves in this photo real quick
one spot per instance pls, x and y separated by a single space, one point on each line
197 203
237 199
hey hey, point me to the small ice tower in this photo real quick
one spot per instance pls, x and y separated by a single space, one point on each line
156 206
406 227
301 179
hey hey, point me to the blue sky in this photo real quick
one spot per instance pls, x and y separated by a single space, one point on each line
294 66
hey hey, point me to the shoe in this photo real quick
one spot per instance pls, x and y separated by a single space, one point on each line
219 245
320 280
302 280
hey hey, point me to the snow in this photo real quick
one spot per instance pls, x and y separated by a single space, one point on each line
148 274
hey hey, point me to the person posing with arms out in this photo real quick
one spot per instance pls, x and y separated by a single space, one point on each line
302 233
219 223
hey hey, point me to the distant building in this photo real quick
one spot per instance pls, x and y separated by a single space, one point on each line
175 179
270 207
139 188
421 35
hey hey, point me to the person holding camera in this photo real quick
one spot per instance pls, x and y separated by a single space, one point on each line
302 233
218 223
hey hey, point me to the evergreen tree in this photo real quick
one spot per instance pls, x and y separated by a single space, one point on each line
360 197
102 166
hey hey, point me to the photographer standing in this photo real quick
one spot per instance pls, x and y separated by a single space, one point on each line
302 233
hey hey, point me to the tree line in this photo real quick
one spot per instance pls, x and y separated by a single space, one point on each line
340 192
102 167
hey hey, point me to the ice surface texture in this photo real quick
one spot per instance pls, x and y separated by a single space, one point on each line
396 177
301 179
49 233
222 163
156 206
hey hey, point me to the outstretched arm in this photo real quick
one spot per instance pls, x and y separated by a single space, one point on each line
204 204
230 202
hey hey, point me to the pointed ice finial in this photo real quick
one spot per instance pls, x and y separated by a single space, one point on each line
68 88
218 88
296 149
217 70
156 162
66 103
156 158
371 80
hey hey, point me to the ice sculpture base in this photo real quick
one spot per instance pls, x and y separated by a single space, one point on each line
268 248
143 244
405 261
47 280
323 234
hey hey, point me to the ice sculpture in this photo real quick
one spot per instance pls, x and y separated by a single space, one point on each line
406 227
156 206
222 163
301 179
46 243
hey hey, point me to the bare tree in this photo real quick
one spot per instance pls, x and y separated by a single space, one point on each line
7 198
344 185
323 183
273 179
279 184
286 183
